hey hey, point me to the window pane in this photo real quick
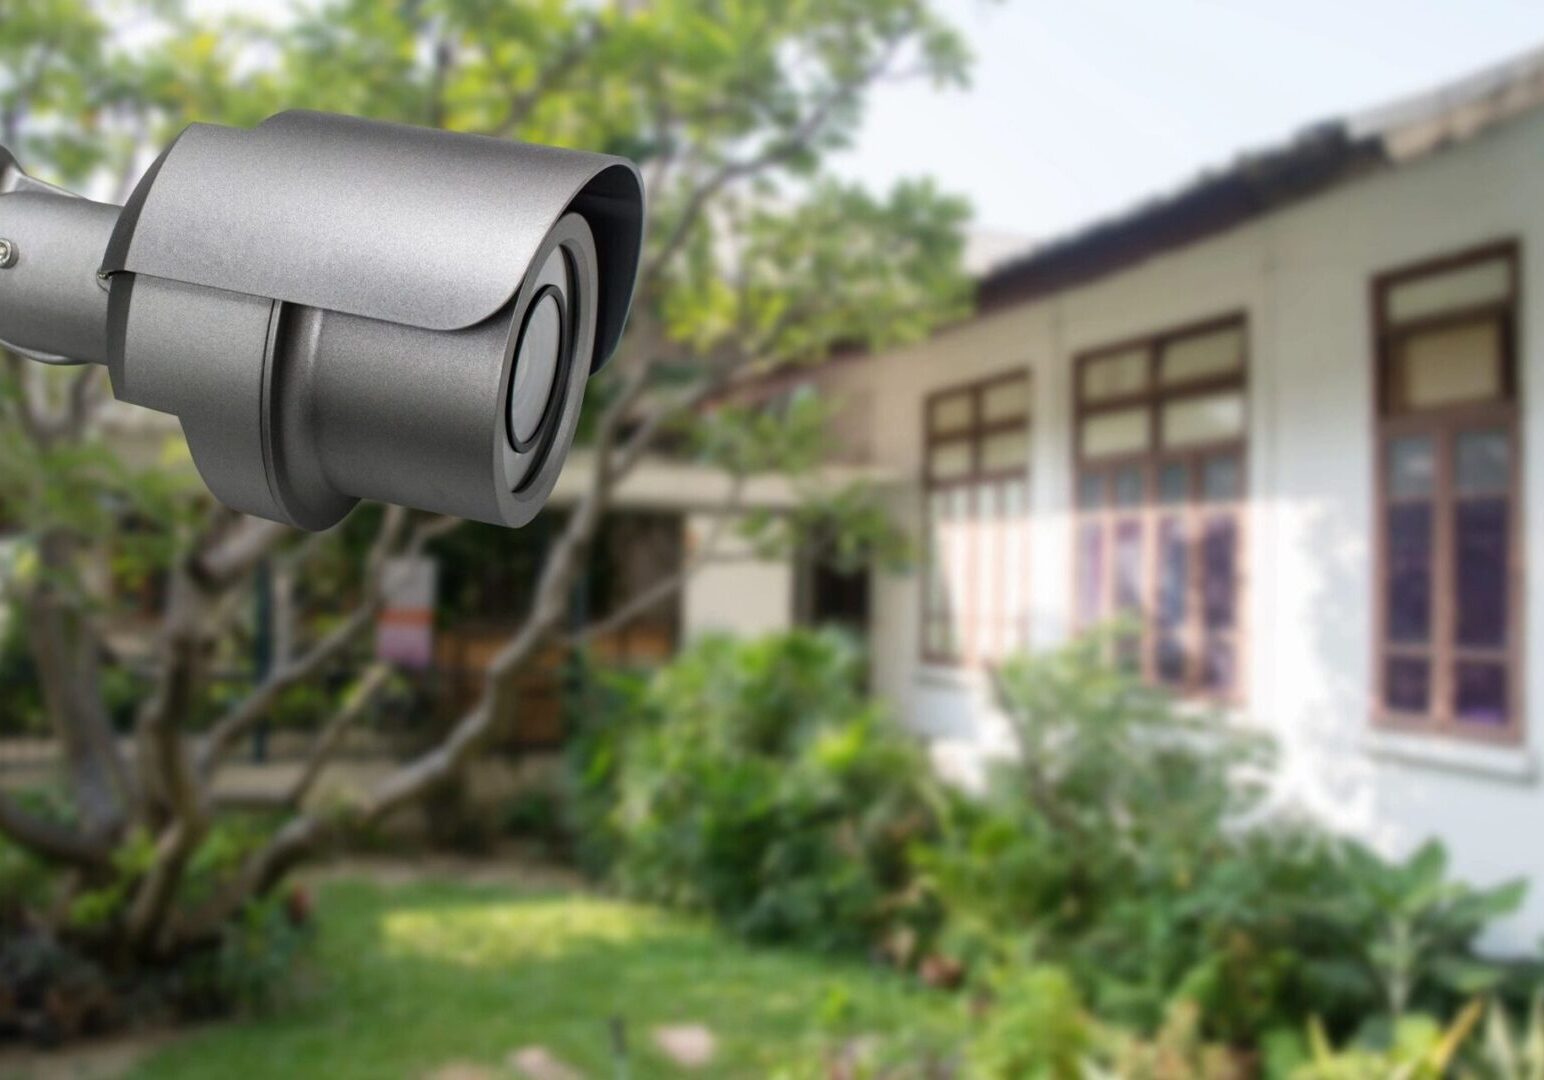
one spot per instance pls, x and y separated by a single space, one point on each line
1480 571
1091 492
1128 566
1450 365
1171 659
950 460
1407 685
1468 286
1219 562
1211 418
1200 355
1090 571
1005 400
1173 573
1005 450
987 567
1483 462
1480 694
1174 483
951 413
1115 375
1128 486
1128 591
1218 667
1120 432
938 506
1412 466
1409 572
1221 479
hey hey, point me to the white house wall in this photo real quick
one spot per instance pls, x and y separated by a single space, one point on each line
734 592
1302 276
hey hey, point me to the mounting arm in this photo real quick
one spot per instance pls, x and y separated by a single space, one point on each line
53 298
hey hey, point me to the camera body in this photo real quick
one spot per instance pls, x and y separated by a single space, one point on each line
340 309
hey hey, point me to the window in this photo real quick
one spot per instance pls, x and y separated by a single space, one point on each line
1160 441
975 605
1449 556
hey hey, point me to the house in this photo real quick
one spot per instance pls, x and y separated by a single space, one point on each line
1292 414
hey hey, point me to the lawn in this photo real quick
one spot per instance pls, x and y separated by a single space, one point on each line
406 979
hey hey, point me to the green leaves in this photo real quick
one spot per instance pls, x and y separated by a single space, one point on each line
792 283
757 784
1412 927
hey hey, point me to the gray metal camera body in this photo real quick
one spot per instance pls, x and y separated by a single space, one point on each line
339 309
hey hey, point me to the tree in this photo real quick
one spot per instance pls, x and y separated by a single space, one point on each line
755 258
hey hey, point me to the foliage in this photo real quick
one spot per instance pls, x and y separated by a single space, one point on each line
1412 929
847 521
760 786
1505 1055
49 991
26 883
251 968
53 988
1178 1051
1105 840
1036 1030
1119 844
1419 1049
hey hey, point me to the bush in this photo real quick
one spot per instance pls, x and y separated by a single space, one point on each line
1037 1029
763 788
1101 840
1111 862
1115 845
61 977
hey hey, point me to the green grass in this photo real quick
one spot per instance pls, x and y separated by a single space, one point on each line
405 979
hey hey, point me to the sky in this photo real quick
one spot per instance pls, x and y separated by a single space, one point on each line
1084 107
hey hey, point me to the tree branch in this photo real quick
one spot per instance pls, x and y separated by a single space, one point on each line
671 584
50 840
779 150
368 687
240 719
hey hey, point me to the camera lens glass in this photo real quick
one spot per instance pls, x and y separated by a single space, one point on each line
536 366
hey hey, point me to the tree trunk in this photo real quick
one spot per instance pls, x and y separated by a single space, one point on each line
67 655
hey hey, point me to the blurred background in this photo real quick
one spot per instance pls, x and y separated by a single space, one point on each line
1042 591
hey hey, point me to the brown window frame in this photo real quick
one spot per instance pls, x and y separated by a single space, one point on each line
1194 511
1443 424
978 476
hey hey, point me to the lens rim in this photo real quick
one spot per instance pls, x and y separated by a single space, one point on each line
527 480
557 391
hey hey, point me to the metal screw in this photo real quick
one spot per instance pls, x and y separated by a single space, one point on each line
7 254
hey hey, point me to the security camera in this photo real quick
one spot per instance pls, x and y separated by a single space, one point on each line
338 309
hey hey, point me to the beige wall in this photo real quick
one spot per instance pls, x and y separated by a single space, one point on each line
734 592
1302 278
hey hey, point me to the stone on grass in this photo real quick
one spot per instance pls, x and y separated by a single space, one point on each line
690 1046
539 1063
462 1070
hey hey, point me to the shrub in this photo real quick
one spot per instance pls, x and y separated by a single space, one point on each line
61 978
1101 838
1411 930
1115 845
1036 1029
763 788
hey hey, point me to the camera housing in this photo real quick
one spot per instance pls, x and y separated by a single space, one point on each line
339 309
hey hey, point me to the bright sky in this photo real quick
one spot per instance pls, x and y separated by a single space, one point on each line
1085 107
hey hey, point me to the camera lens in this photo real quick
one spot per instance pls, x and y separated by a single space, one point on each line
536 365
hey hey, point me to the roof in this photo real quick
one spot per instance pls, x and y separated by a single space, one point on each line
1256 183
